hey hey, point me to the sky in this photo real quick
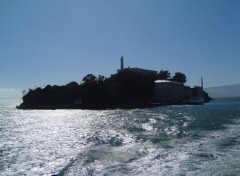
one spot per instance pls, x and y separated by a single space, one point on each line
55 42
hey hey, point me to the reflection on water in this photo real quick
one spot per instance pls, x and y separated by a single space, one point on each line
170 140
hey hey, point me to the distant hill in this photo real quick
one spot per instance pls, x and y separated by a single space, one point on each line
224 91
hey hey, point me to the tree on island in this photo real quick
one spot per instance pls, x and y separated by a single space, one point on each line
179 77
164 75
101 79
72 85
90 78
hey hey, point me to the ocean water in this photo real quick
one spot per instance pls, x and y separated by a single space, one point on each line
167 140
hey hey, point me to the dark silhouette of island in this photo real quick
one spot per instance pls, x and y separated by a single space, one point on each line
128 88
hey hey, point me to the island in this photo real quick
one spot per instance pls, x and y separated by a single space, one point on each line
128 88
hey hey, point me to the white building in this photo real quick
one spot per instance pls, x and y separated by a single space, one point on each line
166 91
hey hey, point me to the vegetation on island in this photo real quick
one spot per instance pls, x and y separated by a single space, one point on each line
126 89
178 77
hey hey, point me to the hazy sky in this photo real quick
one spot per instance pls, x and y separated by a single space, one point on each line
57 41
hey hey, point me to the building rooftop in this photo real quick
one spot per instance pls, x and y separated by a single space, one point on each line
166 81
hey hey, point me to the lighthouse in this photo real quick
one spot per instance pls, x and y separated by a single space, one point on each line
122 64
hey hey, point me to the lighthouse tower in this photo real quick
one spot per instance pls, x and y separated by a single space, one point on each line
122 63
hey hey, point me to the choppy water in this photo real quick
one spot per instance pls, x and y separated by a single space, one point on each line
169 140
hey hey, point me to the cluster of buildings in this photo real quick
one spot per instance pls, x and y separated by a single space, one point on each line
138 70
170 92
